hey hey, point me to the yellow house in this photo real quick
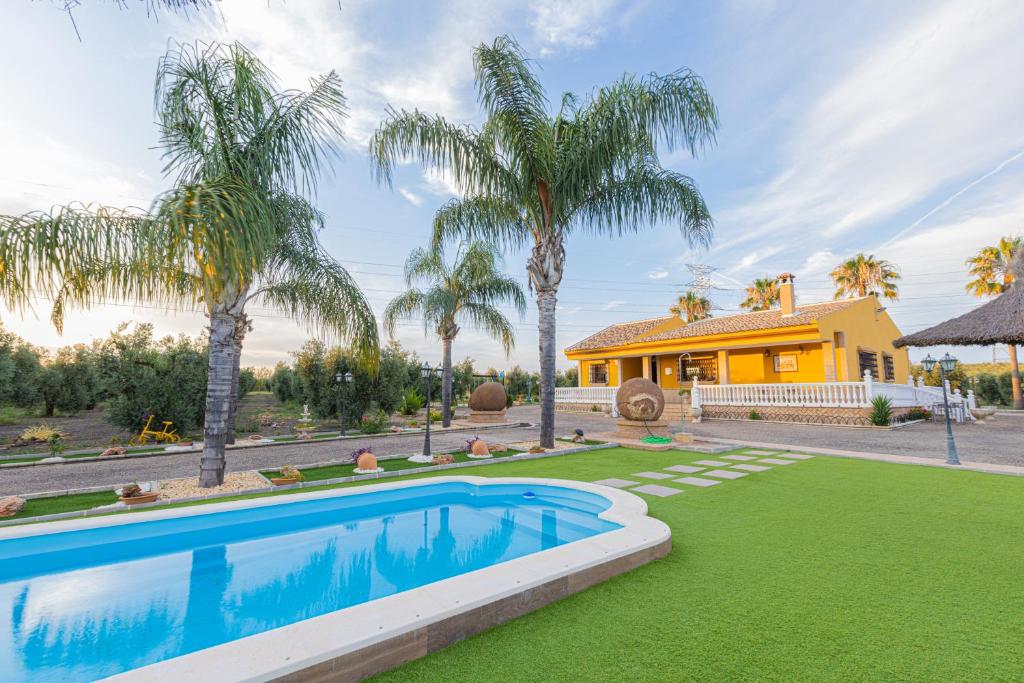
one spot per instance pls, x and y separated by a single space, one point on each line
823 342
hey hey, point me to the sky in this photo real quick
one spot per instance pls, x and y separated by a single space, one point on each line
888 128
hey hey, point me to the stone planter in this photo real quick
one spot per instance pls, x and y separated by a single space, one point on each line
284 481
143 498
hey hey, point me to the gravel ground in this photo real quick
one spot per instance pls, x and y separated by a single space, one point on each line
999 441
20 480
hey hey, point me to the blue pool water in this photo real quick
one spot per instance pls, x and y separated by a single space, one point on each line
80 605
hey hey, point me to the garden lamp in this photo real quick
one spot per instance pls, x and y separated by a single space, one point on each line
425 457
946 364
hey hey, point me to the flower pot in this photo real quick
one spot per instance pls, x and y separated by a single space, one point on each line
143 498
367 462
284 481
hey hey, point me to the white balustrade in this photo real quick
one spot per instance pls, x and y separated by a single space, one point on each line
595 396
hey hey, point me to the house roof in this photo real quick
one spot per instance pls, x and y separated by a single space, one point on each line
620 333
1000 321
624 333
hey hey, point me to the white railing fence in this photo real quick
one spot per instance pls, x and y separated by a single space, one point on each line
595 396
830 395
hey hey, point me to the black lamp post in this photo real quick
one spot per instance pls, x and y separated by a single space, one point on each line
946 364
341 380
426 373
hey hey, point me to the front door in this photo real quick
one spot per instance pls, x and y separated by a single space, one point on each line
654 370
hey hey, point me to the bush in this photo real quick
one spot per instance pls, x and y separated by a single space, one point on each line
41 433
753 415
919 413
56 444
435 416
375 423
881 411
991 389
411 402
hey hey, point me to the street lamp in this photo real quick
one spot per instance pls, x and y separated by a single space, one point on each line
946 364
425 372
341 379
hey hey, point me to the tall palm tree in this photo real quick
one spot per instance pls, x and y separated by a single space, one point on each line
470 289
993 271
762 294
532 177
863 275
691 306
233 230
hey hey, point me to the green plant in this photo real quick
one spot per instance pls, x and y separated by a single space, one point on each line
411 403
754 415
881 411
540 170
375 423
40 433
918 413
291 472
595 409
435 416
413 423
56 444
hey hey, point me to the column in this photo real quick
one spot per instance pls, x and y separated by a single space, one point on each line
828 359
645 363
723 366
579 374
618 372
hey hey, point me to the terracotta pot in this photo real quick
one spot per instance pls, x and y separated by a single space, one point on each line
284 481
480 447
143 498
367 461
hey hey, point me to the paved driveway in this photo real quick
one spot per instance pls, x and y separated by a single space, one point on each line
999 441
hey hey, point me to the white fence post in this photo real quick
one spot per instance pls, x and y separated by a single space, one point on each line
695 395
868 387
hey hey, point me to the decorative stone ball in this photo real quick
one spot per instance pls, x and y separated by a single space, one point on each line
11 506
640 399
480 447
367 461
488 396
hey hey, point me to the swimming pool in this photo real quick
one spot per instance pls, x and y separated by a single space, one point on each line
99 597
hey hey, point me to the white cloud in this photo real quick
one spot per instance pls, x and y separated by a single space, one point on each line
412 198
570 23
658 274
612 305
440 184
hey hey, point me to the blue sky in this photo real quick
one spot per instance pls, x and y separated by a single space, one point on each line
890 128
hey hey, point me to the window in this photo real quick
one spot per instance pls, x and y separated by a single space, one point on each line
705 370
598 373
888 368
868 361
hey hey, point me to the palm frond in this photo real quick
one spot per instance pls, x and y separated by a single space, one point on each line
492 322
490 218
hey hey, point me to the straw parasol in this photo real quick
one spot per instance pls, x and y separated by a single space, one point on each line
1000 321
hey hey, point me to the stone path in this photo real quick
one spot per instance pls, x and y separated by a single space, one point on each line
729 468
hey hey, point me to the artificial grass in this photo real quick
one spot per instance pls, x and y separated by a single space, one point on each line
56 504
345 470
829 569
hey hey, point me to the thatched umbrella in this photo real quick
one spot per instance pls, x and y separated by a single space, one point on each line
1000 321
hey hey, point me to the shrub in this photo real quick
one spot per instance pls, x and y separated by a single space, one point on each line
435 416
881 411
753 415
41 433
411 402
375 423
918 413
291 472
56 444
595 409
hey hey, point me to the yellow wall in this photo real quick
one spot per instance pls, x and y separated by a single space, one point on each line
746 366
810 367
613 378
632 367
865 327
671 363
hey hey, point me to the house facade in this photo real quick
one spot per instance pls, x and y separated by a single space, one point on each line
832 341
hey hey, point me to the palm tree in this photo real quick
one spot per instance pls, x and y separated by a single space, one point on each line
762 294
692 306
531 177
233 230
470 289
993 273
863 275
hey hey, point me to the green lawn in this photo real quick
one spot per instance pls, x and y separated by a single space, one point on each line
829 569
79 501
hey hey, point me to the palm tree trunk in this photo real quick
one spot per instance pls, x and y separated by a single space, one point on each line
242 324
546 304
1018 400
446 383
218 398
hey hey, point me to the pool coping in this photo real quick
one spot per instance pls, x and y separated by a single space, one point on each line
359 641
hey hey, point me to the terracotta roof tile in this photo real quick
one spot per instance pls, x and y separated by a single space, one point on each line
620 333
623 333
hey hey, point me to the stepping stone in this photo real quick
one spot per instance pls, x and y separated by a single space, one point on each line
697 481
738 457
712 463
652 475
751 468
756 451
684 469
616 483
724 474
797 456
777 461
655 490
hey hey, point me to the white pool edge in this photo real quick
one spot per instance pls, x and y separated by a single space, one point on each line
304 644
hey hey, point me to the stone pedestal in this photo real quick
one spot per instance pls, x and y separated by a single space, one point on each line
487 416
637 429
683 437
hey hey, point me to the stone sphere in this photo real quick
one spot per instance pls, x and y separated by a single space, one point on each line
640 399
488 396
367 461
